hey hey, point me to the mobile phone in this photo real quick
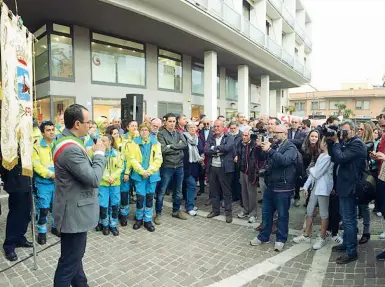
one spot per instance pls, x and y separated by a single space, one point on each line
265 139
271 140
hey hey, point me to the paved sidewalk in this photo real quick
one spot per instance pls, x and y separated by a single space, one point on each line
199 252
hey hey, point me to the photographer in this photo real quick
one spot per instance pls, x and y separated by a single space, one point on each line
249 159
280 183
349 155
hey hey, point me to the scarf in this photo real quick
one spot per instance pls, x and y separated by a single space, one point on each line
193 153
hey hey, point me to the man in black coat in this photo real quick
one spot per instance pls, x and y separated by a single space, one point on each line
349 154
203 135
19 215
295 134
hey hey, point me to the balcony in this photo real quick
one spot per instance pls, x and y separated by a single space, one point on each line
308 42
298 29
227 15
288 17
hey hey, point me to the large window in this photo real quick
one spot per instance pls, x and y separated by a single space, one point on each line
362 105
333 104
166 107
59 106
118 61
197 79
109 108
246 10
230 114
231 88
61 52
41 54
169 70
299 106
197 111
314 106
43 109
322 105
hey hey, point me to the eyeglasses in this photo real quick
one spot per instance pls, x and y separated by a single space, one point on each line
206 124
87 123
360 129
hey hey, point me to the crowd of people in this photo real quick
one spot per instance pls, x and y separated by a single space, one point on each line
336 167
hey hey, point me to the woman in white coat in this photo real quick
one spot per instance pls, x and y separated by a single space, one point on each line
321 180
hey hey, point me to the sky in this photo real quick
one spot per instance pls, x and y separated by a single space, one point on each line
348 42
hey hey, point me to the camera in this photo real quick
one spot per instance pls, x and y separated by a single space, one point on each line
259 133
332 131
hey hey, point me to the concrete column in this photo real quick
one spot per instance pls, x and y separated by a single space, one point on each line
279 101
260 9
265 94
243 90
285 98
277 31
222 83
210 91
273 103
152 67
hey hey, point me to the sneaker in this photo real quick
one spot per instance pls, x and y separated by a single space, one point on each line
252 219
179 215
379 214
198 184
296 203
320 242
278 246
158 220
381 256
206 182
192 212
382 235
195 208
337 239
242 215
301 239
256 242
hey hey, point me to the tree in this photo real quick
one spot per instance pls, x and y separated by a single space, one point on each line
347 113
340 107
290 109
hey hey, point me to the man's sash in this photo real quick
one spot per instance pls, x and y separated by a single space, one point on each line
66 141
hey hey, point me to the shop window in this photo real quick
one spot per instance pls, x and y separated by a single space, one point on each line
43 109
169 70
60 104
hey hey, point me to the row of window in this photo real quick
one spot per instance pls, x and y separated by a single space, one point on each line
111 108
115 61
333 105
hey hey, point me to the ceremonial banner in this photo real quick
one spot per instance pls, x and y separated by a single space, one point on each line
17 79
287 118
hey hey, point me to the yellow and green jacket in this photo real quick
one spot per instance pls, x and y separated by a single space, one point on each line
36 135
113 168
135 157
42 161
59 129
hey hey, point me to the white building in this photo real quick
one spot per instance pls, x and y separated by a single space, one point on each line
192 56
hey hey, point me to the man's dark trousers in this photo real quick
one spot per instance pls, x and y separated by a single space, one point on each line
220 182
19 216
69 270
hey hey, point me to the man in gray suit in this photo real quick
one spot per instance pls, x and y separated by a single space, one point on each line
76 205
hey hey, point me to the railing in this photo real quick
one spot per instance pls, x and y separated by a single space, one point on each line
308 42
225 13
273 47
287 58
288 17
298 67
277 4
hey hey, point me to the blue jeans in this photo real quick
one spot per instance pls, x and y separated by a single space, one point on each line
191 183
348 211
176 176
280 202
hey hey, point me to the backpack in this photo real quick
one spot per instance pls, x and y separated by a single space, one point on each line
365 190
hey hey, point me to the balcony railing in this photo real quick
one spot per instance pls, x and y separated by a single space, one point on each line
288 17
222 11
308 42
298 29
307 74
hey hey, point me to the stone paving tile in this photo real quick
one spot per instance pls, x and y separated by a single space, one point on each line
366 271
292 273
196 252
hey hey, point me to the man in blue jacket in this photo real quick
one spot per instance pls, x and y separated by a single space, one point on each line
280 183
349 155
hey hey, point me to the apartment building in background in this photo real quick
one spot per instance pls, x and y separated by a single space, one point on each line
185 56
364 100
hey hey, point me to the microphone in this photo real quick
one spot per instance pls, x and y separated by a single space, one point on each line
93 137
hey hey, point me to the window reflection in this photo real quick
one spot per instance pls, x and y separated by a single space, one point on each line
43 109
41 59
59 106
169 70
61 57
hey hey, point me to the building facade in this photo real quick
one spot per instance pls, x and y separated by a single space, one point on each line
185 56
365 104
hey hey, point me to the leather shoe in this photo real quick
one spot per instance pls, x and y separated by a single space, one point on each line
26 244
11 256
123 220
344 259
339 248
55 232
114 231
42 238
137 224
106 230
365 238
229 218
212 214
99 227
149 226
